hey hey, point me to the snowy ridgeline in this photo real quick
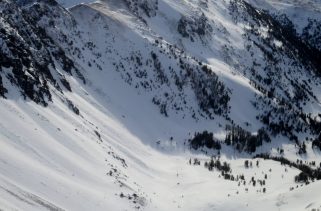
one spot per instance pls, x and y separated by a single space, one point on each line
158 105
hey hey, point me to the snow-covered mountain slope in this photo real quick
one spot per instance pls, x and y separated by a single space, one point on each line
304 17
103 106
71 3
299 12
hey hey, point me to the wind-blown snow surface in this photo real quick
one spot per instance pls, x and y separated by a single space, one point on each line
70 3
118 153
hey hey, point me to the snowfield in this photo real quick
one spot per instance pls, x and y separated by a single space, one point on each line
52 159
118 152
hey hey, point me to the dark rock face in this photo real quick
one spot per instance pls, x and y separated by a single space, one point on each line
148 7
312 34
193 27
25 69
3 90
28 54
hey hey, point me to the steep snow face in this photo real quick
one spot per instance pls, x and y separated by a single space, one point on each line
99 102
